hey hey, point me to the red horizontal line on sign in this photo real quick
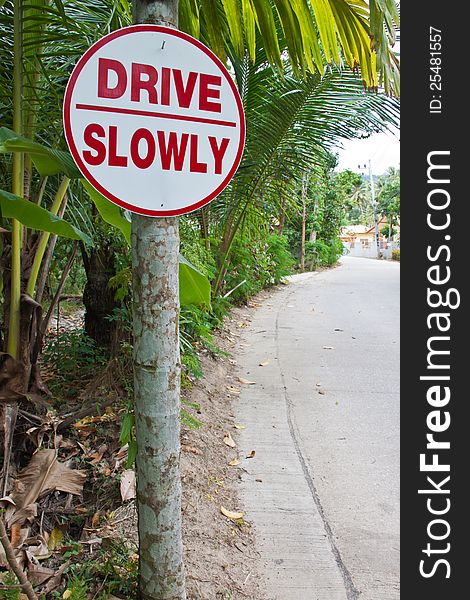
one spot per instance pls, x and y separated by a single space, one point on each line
148 113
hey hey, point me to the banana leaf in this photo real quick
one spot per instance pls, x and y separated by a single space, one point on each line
35 217
47 161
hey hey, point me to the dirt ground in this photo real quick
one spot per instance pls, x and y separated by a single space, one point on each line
220 556
221 559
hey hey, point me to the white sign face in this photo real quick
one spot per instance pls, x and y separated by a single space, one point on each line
154 120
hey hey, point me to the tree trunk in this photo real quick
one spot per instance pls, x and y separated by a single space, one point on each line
304 222
155 250
282 216
98 297
202 216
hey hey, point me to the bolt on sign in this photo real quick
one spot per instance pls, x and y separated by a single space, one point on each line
154 120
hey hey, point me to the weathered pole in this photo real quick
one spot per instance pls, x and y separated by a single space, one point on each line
304 221
155 251
374 205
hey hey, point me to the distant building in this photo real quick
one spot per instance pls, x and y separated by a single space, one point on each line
359 240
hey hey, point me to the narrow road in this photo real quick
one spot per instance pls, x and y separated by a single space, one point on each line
322 490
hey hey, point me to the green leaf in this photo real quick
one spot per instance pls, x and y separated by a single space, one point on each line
188 17
232 12
126 428
267 26
194 285
110 212
250 27
35 217
131 453
214 27
47 161
188 419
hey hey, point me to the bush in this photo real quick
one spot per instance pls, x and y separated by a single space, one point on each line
322 254
396 254
74 354
258 264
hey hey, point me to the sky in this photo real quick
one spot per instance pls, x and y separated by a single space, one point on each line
382 149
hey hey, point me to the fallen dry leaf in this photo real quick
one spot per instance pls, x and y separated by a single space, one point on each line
95 520
42 475
233 390
121 454
232 515
228 440
246 381
234 462
55 581
264 363
38 547
190 449
239 426
37 574
98 455
128 485
15 535
251 454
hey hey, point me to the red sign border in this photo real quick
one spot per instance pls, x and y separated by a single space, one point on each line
71 143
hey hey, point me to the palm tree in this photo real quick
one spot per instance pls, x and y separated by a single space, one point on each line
360 199
291 125
294 116
345 32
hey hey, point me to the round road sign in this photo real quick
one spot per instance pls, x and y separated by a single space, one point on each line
154 120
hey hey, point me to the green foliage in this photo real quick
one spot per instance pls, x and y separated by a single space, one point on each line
111 213
280 261
196 327
73 354
396 254
322 254
127 436
194 286
388 196
78 588
75 281
34 216
48 161
311 33
195 248
111 571
255 263
189 420
9 589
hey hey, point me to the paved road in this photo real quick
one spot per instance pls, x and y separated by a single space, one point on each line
323 417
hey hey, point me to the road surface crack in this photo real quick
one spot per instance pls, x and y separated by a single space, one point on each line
352 592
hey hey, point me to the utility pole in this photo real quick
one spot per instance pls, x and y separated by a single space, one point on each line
374 207
155 251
